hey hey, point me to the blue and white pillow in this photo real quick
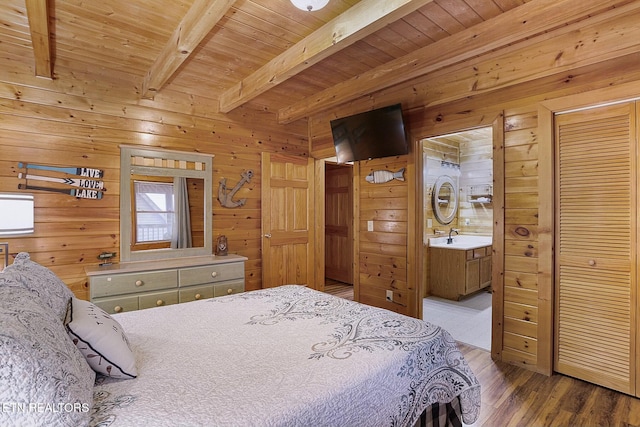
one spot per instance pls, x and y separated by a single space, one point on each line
39 280
43 376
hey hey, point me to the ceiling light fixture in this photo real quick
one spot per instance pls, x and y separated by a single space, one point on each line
309 5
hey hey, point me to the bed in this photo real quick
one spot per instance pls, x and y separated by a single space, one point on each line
284 356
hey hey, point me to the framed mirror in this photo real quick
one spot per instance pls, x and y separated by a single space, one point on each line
444 199
165 204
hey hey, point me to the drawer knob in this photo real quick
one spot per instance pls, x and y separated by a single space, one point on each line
198 296
139 283
159 302
214 274
117 309
229 291
592 262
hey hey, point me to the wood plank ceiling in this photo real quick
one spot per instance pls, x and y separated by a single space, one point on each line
265 54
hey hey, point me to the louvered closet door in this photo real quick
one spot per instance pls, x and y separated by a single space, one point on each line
596 275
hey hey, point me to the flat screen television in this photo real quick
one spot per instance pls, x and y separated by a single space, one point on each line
370 135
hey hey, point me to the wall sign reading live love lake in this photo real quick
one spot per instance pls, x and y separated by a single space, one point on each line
88 186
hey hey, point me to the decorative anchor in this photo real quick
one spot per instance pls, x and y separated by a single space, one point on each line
225 198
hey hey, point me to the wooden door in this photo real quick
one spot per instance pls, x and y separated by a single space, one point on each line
338 208
596 240
485 270
472 276
287 220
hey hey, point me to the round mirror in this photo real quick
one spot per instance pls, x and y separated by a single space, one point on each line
444 199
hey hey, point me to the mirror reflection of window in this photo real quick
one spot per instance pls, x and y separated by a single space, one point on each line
154 208
161 216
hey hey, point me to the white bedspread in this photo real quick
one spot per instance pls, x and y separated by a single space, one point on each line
286 356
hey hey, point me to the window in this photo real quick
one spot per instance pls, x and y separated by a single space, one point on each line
155 212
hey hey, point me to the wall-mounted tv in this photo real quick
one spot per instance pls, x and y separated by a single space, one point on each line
370 135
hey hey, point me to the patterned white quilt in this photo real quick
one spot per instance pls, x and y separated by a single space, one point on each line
285 356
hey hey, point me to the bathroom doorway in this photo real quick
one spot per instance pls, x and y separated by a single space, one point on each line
460 303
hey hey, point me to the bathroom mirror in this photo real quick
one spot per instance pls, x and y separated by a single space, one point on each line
444 199
165 204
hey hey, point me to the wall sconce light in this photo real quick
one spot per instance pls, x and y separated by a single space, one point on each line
309 5
16 218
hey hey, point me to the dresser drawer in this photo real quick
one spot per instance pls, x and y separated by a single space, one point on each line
194 293
228 288
210 273
118 305
127 283
158 299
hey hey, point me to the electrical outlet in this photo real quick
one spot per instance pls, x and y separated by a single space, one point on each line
390 296
429 223
369 225
467 221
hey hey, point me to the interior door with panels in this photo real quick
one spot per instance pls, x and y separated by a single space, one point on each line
596 246
287 220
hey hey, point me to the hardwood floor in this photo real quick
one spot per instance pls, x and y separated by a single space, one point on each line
515 397
339 289
512 396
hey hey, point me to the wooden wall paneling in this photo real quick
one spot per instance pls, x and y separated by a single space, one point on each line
414 258
384 206
519 237
521 148
320 136
420 228
476 173
546 240
498 282
358 233
73 89
566 61
39 122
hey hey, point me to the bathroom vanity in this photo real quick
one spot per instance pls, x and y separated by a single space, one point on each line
459 268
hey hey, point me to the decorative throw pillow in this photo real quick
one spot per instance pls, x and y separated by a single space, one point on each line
101 340
39 280
44 380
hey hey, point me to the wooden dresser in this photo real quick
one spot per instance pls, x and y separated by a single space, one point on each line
138 285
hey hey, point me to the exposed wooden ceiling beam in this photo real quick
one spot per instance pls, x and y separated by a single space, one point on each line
361 20
516 25
38 14
196 24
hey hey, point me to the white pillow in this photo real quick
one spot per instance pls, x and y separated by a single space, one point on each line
101 340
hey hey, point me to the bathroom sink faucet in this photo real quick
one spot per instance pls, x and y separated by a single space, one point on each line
450 239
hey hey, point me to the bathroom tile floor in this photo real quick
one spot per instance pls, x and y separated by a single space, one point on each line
468 320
